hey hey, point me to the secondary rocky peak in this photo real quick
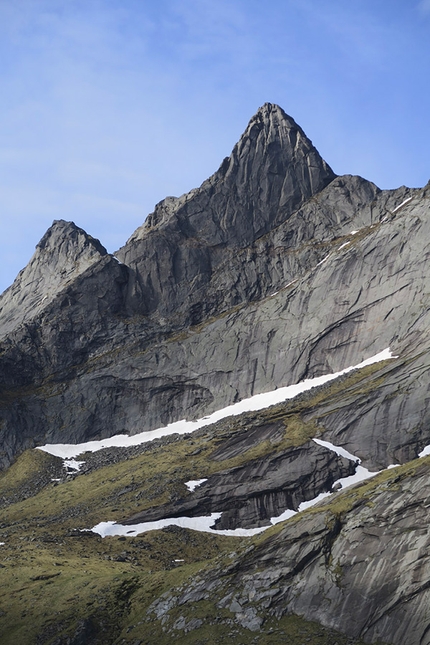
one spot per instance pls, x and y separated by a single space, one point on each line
66 238
63 253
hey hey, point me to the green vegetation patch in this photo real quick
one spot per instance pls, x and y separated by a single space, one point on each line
59 582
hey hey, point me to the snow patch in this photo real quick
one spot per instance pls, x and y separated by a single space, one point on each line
72 464
203 524
281 518
361 473
302 507
194 483
424 452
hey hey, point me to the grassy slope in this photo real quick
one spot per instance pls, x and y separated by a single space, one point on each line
56 581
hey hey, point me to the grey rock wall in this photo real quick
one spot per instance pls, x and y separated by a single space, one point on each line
251 282
364 573
64 252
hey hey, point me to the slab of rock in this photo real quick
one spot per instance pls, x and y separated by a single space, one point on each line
250 495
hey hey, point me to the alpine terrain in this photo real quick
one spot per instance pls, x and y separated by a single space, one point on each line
219 433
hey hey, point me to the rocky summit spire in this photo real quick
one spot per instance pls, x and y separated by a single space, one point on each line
272 171
279 162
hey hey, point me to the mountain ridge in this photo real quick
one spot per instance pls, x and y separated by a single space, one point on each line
273 271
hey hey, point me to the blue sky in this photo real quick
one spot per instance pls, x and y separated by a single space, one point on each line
108 106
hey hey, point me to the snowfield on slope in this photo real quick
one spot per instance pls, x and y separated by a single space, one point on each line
254 403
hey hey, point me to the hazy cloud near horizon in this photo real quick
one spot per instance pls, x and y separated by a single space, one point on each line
108 106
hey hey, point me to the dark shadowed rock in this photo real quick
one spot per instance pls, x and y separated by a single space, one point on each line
252 494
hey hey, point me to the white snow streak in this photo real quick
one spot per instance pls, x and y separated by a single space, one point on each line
290 283
402 204
338 450
342 246
275 293
323 260
203 524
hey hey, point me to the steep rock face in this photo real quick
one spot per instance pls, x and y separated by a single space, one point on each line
364 571
271 172
358 564
64 252
102 372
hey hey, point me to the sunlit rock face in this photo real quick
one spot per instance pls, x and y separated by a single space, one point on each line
362 570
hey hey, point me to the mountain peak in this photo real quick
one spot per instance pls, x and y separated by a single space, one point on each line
270 111
271 172
64 252
65 237
274 141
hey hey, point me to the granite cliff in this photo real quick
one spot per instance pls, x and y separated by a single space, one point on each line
274 271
